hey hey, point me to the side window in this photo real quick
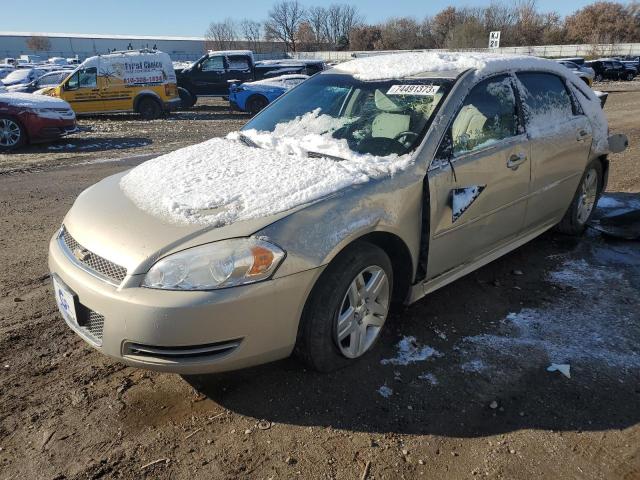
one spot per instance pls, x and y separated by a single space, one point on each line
72 83
545 99
488 115
239 63
88 78
213 64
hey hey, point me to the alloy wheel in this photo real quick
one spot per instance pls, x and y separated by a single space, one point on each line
588 194
9 133
363 312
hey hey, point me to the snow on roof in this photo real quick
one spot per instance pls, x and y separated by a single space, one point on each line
29 100
192 185
401 65
279 82
231 52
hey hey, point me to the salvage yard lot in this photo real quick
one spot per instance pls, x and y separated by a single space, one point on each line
457 387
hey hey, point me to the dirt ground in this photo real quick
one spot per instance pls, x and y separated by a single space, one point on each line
457 387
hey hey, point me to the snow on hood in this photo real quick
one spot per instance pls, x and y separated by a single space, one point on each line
278 82
28 100
222 180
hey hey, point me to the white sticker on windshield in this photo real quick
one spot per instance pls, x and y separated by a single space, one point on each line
424 90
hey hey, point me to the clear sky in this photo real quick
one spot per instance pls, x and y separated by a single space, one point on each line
191 17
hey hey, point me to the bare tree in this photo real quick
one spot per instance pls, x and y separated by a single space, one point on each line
341 19
252 33
221 35
603 22
317 19
283 22
365 37
39 43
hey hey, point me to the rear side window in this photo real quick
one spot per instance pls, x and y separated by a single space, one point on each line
487 116
238 62
545 99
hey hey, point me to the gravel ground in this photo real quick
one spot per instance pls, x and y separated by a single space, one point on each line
457 387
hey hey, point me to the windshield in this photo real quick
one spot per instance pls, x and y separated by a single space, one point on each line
378 118
17 76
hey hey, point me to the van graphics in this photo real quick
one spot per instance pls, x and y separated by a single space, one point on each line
133 72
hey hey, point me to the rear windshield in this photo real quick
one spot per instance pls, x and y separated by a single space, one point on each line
378 118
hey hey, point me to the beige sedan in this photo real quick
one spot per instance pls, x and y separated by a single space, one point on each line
375 182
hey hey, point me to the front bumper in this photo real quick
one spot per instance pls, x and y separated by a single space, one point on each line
187 332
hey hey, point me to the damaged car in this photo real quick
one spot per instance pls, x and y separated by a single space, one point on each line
378 181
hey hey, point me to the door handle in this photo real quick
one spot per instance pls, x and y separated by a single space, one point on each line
515 160
582 134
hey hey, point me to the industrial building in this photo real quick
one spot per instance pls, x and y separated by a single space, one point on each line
67 45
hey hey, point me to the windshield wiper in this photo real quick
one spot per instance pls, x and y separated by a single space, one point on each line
324 155
247 141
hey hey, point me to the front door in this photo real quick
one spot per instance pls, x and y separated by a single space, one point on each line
480 180
82 92
209 76
560 136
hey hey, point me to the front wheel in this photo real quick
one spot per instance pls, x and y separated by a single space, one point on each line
256 103
630 76
149 109
12 134
584 201
599 77
187 99
347 309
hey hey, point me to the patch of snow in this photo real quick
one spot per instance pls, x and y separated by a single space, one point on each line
409 351
385 391
563 368
567 332
222 181
429 377
474 366
283 81
606 201
462 198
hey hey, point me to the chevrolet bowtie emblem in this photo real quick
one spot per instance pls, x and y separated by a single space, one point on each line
82 254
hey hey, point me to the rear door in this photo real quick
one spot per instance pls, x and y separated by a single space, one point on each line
479 181
560 136
239 69
209 76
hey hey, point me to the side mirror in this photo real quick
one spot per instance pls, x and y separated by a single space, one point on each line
618 143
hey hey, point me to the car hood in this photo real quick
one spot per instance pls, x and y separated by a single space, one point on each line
106 222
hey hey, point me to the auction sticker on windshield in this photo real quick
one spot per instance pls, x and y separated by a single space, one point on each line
65 301
424 90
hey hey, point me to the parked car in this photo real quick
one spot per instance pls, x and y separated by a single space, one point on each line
610 69
5 69
48 80
254 96
9 61
140 81
212 74
22 76
577 60
631 62
26 118
380 180
585 73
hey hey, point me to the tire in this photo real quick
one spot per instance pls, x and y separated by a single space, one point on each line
256 103
629 77
598 77
333 308
149 108
12 134
584 201
187 99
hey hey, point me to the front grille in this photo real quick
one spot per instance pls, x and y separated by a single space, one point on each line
94 325
94 262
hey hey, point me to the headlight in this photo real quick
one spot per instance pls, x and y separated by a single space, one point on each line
216 265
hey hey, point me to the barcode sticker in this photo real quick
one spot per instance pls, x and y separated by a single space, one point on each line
424 90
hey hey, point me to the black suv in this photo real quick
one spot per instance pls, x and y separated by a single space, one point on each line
608 68
212 74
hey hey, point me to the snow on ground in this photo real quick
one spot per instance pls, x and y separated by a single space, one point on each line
565 331
385 391
410 351
192 185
